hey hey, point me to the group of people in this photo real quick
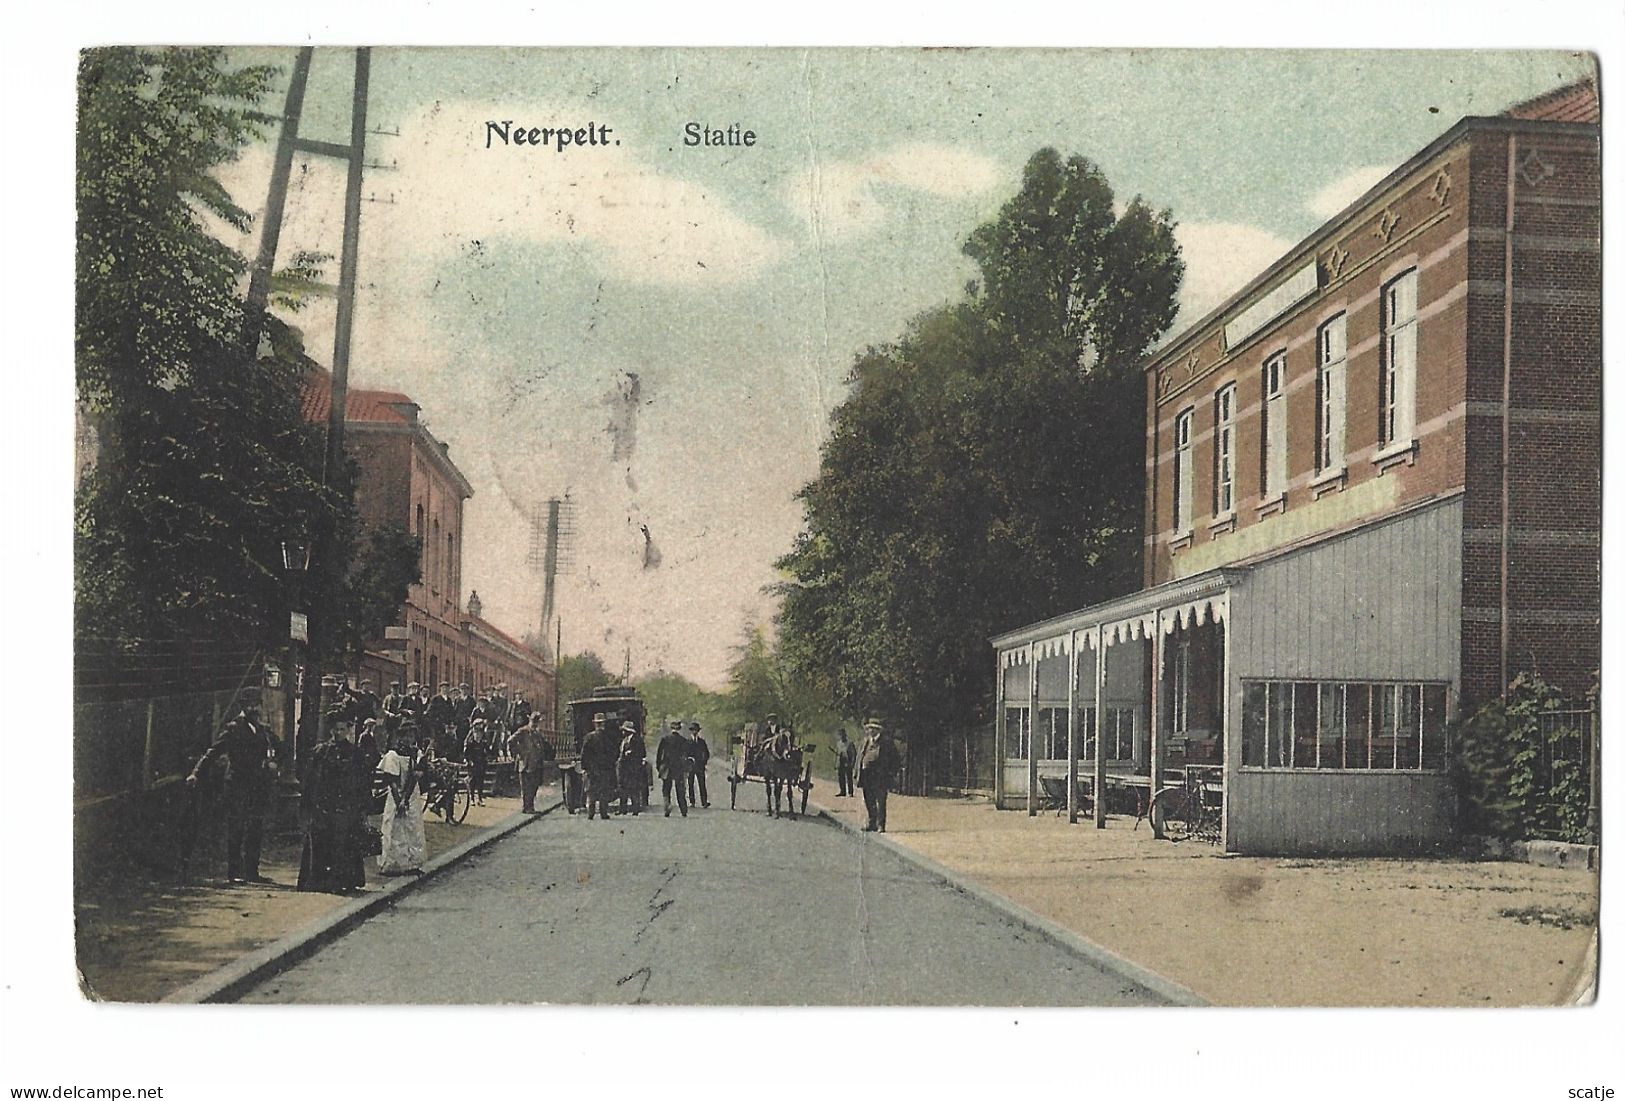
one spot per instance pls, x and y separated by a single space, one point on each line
615 768
449 715
384 756
342 777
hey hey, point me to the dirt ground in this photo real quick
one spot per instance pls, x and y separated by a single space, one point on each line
142 934
1274 931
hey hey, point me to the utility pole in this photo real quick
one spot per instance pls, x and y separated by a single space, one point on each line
354 155
259 280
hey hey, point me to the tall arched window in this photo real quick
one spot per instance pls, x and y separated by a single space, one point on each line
423 547
434 556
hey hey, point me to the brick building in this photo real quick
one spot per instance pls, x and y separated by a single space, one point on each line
1373 497
407 479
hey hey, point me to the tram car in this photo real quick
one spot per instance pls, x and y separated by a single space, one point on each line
618 703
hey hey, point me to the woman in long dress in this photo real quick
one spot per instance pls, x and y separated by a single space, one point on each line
405 847
335 805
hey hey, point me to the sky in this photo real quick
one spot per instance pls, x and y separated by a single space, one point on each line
661 331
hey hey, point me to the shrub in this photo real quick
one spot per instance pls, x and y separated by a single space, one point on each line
1521 772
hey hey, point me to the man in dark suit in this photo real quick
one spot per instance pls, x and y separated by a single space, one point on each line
250 755
531 754
599 751
390 709
462 710
671 762
518 711
699 755
877 760
442 717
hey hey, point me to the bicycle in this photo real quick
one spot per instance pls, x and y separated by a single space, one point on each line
450 791
1183 811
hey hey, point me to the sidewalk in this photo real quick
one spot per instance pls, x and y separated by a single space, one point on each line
1272 931
142 935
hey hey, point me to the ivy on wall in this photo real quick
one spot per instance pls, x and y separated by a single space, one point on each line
1523 766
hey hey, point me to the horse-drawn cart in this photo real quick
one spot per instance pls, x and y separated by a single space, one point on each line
755 760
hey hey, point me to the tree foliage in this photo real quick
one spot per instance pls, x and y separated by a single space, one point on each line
579 674
987 468
204 464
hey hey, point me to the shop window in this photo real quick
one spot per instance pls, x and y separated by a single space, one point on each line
1017 734
1120 728
1344 725
1182 688
1090 731
1055 730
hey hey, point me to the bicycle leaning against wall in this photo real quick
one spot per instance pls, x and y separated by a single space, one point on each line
1187 809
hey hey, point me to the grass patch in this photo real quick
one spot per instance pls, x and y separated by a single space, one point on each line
1557 917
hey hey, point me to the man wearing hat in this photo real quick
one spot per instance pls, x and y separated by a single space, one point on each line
442 720
412 703
389 711
599 751
530 754
877 760
699 755
249 753
462 710
631 765
671 762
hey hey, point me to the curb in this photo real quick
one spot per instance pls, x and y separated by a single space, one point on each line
228 983
1173 993
1585 988
1547 854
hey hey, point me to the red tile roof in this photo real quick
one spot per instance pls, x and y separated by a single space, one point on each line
385 406
1575 102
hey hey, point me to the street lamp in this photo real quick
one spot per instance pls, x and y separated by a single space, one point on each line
295 564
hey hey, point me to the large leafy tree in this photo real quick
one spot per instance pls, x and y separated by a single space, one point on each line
204 464
987 468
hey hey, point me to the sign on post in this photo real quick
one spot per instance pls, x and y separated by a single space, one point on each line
298 627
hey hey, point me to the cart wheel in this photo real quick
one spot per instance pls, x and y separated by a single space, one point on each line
805 789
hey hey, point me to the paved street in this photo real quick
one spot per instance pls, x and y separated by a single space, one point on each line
725 907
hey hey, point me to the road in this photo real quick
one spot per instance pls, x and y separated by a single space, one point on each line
721 908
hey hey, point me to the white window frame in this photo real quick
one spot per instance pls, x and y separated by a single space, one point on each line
1181 695
1431 740
1274 434
1224 450
1331 343
1399 309
1183 480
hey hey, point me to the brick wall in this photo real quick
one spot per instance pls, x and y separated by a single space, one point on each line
1553 442
1419 222
1446 218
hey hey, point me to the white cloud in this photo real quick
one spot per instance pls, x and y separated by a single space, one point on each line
448 189
1220 257
847 198
1331 199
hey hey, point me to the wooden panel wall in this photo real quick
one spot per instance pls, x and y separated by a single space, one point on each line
1383 603
1309 813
